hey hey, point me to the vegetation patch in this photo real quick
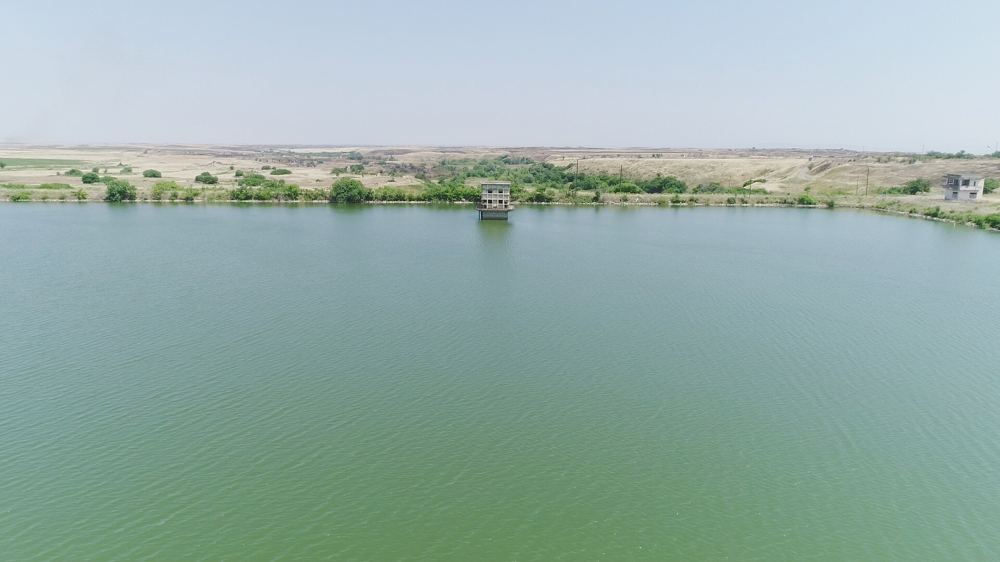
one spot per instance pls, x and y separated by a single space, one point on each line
151 173
119 190
350 191
37 163
206 178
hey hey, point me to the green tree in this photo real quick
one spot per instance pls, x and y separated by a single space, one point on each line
991 185
152 173
2 164
119 190
90 177
660 184
80 194
164 187
206 178
540 195
919 185
349 190
280 172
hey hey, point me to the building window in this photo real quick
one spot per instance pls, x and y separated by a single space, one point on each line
965 182
955 193
972 195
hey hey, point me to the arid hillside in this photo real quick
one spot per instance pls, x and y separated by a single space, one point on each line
821 173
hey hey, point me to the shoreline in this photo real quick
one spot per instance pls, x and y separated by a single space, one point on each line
885 210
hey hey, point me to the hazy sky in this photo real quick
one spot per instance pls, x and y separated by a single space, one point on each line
906 75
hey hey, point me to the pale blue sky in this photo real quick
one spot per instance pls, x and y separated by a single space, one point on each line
771 73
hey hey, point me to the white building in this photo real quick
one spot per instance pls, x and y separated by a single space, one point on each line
494 200
962 187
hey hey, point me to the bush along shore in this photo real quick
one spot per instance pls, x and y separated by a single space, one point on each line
531 183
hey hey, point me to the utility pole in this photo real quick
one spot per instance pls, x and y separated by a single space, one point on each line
867 174
621 173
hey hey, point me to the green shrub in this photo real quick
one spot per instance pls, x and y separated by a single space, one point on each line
239 173
313 194
452 190
540 195
265 167
119 190
961 154
189 194
280 172
162 187
919 185
90 177
390 194
80 194
95 169
54 186
73 172
933 213
349 190
206 178
660 184
20 196
152 173
830 203
805 199
991 185
713 187
626 187
126 170
269 190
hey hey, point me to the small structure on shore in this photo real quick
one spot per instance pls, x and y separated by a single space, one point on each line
963 187
494 200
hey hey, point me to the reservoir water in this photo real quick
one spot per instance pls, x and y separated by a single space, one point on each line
408 383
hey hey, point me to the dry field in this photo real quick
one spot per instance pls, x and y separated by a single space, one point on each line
824 173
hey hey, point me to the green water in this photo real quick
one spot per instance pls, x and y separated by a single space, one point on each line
408 383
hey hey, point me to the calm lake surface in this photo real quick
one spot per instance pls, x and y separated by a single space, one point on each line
408 383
